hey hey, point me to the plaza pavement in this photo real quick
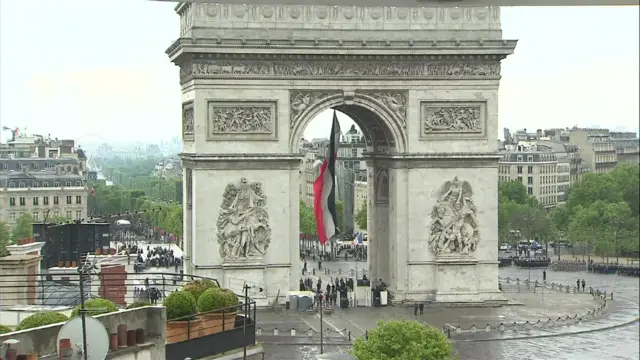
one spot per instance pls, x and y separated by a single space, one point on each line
583 340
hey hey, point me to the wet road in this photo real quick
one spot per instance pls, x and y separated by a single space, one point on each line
595 339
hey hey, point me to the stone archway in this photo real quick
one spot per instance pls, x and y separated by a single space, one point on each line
253 76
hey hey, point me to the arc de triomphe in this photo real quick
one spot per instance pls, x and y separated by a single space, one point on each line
422 84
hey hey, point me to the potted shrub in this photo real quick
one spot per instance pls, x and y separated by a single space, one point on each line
197 287
41 319
182 323
218 308
138 304
5 329
96 306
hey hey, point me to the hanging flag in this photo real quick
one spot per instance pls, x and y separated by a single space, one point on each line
359 239
324 189
92 192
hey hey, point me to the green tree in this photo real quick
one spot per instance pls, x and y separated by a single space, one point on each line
627 178
361 217
403 340
5 238
513 191
307 219
592 188
23 228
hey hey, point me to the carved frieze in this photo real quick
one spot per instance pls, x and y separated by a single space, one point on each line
319 68
243 222
301 101
447 119
188 125
454 227
395 101
242 120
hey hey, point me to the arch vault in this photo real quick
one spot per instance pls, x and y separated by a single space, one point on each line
423 85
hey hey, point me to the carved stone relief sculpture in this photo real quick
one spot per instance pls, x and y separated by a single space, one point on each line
454 228
243 223
317 68
452 119
301 101
395 101
188 126
242 120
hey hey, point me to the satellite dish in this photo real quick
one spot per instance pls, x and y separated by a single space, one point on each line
97 337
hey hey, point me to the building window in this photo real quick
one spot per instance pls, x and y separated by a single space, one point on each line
519 158
35 201
530 169
12 217
36 216
12 185
530 180
56 200
67 183
78 199
34 184
530 158
78 214
56 184
68 214
35 166
12 201
23 201
56 213
530 190
78 183
4 166
45 200
21 185
68 200
45 184
520 179
519 169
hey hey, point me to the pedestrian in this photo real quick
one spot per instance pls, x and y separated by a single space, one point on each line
421 307
583 285
544 275
578 285
415 309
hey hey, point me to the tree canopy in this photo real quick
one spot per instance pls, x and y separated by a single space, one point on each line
308 219
521 216
403 340
601 212
361 217
5 238
23 227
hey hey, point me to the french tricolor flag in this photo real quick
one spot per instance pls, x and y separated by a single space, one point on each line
324 189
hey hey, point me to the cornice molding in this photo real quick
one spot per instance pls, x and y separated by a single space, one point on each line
294 46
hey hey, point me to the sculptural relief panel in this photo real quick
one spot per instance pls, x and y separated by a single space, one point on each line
188 121
318 68
460 120
301 101
243 229
395 101
246 120
454 228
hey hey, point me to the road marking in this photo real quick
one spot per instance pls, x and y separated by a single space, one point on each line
335 328
311 326
356 325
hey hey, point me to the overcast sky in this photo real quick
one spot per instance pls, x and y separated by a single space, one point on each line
90 69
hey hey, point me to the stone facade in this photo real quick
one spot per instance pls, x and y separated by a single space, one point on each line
428 108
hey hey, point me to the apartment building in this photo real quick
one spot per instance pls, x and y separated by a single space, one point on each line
569 168
536 169
627 147
43 188
596 149
309 172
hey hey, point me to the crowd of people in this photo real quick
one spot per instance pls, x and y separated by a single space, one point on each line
157 256
569 265
331 292
620 269
536 262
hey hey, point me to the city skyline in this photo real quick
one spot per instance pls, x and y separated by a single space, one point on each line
120 86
